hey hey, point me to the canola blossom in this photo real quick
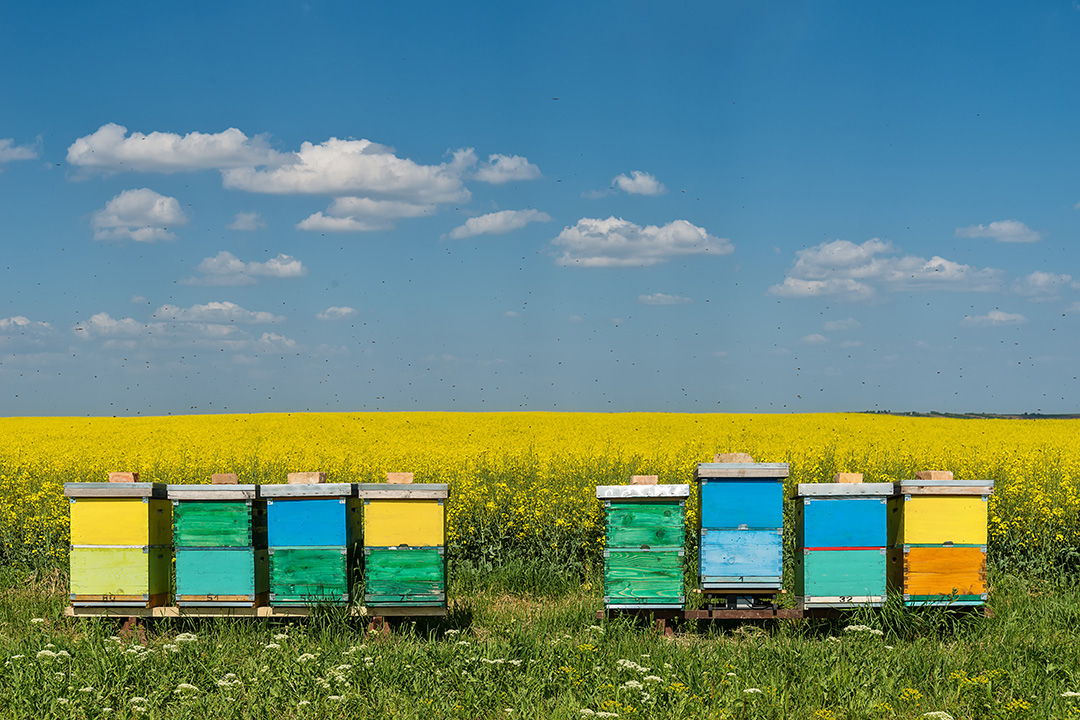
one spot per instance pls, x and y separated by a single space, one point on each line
523 483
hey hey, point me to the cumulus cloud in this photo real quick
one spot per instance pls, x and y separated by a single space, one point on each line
357 167
359 214
498 223
845 324
336 313
853 272
815 339
639 183
618 243
501 169
247 222
215 312
21 330
142 215
274 341
1041 286
662 299
219 325
1008 231
995 318
9 152
225 269
111 149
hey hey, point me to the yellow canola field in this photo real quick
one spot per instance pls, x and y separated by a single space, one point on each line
525 481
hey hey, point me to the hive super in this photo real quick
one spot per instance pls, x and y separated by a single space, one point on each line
309 542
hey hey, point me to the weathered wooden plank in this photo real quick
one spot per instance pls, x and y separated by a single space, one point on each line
120 571
404 522
841 521
418 491
120 521
636 577
945 487
922 520
213 492
260 612
107 489
841 573
309 575
211 523
312 521
640 524
742 470
308 491
735 554
403 576
630 492
844 489
753 503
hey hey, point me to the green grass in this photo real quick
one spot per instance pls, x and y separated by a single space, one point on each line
513 647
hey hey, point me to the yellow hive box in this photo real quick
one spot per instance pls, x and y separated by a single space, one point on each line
121 521
129 576
395 515
939 512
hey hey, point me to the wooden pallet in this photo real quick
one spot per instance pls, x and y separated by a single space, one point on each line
172 611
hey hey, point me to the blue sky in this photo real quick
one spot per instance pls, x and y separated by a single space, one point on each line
610 206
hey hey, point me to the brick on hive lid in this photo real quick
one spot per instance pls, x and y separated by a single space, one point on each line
123 477
847 478
399 478
934 475
738 457
224 479
307 478
644 479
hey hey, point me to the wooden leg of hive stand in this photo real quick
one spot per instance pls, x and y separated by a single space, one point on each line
662 627
133 630
379 626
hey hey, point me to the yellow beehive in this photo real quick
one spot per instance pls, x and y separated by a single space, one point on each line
940 512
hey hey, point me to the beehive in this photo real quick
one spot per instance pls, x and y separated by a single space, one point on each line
741 527
645 535
219 532
404 544
937 534
121 544
841 557
313 533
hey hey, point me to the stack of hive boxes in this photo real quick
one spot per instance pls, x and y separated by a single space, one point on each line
937 533
313 533
121 542
742 527
645 538
219 531
404 542
840 558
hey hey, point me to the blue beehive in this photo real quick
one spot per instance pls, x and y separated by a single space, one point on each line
313 533
741 549
841 537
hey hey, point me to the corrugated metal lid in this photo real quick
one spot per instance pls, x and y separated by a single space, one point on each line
735 471
284 490
115 489
844 489
213 492
405 491
636 492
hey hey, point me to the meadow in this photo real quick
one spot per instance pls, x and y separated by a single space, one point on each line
524 541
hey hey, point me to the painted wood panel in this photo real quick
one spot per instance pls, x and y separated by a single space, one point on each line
738 554
841 522
643 578
933 520
312 522
120 571
417 523
404 576
832 573
121 521
308 576
239 571
215 523
648 525
937 571
757 504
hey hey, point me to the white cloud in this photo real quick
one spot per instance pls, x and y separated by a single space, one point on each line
247 222
1009 231
225 269
815 339
215 312
9 152
111 149
104 325
1041 286
505 168
639 183
842 268
21 330
994 318
357 214
662 299
618 243
142 215
498 223
274 341
357 167
845 324
336 313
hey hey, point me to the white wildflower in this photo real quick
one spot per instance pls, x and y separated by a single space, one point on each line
62 701
451 632
335 698
37 621
938 715
305 658
281 636
864 629
653 678
607 714
463 642
1070 693
632 685
751 691
186 689
46 655
62 654
272 646
86 689
138 700
597 629
302 703
187 638
731 674
587 711
515 663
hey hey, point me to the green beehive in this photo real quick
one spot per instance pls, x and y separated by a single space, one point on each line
645 532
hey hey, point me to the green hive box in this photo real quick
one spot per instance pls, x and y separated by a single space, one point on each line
404 576
645 532
310 576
